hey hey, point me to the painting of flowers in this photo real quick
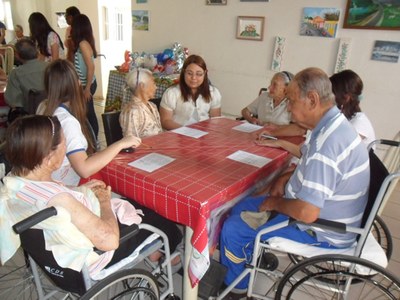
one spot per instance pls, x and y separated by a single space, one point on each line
250 28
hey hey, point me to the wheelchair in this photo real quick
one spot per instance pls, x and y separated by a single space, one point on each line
38 276
311 272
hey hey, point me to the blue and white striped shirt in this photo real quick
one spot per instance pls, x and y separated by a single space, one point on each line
333 174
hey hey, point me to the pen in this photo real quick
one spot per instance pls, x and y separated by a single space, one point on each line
146 146
268 137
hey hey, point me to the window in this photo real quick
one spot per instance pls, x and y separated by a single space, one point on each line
106 26
119 32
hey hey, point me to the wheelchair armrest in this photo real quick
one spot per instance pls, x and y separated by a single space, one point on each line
390 143
36 218
323 224
125 234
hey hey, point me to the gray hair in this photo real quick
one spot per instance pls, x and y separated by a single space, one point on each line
314 79
286 76
19 27
137 76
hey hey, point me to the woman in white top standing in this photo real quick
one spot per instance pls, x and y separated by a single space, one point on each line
347 87
194 99
47 40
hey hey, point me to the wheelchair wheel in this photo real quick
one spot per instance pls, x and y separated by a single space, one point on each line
16 279
125 284
303 281
382 235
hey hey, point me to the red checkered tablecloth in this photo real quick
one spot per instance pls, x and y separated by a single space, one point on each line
199 180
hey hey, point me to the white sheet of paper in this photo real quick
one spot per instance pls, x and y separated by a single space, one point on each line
151 162
247 127
194 133
249 158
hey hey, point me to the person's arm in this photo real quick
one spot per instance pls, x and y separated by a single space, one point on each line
86 166
55 54
291 129
295 208
288 146
248 116
87 53
2 35
167 121
215 112
54 46
3 75
102 231
13 94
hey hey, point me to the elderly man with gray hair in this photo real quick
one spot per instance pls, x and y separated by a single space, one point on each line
330 181
28 76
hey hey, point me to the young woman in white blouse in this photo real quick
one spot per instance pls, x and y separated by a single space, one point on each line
193 100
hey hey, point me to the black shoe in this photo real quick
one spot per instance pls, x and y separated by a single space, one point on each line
234 296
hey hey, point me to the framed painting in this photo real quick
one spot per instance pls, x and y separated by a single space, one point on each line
140 20
250 28
320 21
372 14
387 51
216 2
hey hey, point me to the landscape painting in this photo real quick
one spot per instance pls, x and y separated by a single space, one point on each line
386 51
140 19
318 21
372 14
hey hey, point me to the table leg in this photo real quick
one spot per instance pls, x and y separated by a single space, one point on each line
188 291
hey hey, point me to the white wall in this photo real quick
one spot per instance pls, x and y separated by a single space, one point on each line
240 67
113 51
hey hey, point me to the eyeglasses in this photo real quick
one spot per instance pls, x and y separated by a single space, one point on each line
192 74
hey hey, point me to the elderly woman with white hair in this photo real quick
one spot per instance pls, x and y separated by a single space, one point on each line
139 117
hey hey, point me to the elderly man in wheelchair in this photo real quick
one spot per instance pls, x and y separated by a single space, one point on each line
331 181
79 236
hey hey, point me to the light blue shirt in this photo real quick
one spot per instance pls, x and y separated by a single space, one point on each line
333 174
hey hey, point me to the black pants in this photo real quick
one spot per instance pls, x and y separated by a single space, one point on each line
152 218
90 112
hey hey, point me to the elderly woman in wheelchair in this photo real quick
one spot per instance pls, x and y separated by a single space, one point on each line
87 218
331 181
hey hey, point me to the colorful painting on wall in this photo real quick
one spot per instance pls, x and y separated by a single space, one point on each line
343 55
322 22
140 20
278 53
386 51
372 14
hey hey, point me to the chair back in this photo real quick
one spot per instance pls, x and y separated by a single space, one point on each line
380 182
392 156
34 99
262 90
8 58
378 173
112 128
391 160
157 102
